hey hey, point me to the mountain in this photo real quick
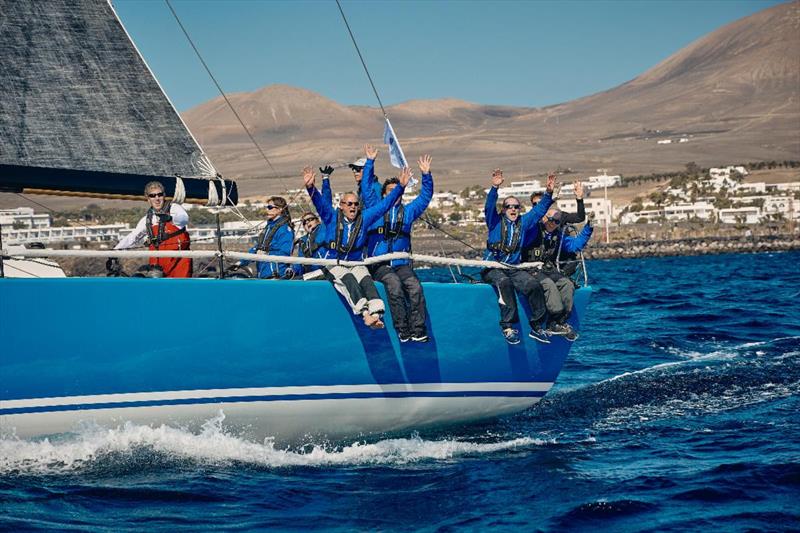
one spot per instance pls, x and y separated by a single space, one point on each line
734 94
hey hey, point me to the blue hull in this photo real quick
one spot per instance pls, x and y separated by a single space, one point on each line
275 358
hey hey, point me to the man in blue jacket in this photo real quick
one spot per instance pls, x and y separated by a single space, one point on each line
549 243
504 245
345 236
392 233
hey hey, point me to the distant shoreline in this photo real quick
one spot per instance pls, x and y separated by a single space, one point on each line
692 247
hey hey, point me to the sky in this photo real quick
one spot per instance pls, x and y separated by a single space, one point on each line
517 53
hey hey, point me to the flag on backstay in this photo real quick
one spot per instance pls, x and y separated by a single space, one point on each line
396 155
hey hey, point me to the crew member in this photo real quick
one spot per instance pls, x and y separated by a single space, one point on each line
504 245
276 239
345 236
163 228
391 234
549 242
312 244
568 262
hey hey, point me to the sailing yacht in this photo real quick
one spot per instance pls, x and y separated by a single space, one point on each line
82 114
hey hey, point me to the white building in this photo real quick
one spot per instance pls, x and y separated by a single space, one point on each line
24 217
753 188
726 171
446 199
520 189
603 209
97 233
645 216
664 141
598 182
736 215
701 210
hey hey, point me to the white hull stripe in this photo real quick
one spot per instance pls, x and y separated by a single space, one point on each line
268 394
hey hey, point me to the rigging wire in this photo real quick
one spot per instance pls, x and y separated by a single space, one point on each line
363 63
426 218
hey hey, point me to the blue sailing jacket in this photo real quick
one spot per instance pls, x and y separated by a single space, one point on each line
281 244
494 220
378 242
355 243
568 243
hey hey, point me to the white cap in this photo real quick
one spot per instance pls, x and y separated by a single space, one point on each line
360 162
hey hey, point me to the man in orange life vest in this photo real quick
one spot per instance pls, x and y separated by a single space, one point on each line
163 228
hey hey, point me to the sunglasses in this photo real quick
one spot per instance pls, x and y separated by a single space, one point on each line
553 219
356 170
510 206
307 220
272 207
155 195
351 204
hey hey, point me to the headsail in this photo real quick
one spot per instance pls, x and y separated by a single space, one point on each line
81 113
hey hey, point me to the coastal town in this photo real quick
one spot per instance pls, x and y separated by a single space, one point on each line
690 212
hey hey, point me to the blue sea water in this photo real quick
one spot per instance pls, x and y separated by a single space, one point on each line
678 410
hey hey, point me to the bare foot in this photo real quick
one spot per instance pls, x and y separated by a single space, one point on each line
372 321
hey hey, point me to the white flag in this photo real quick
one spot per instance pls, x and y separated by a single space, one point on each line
396 155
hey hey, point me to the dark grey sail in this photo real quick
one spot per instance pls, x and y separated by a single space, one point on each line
81 113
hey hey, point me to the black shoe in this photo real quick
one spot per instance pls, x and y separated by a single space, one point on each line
511 335
571 335
404 337
558 329
538 334
420 337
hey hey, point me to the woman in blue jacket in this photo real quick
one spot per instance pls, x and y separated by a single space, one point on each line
276 239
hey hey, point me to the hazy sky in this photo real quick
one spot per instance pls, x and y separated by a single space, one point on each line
506 53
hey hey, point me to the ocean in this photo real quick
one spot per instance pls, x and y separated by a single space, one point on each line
678 410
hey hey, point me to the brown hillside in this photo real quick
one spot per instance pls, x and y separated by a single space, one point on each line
735 94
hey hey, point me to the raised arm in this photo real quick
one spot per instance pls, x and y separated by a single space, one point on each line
579 242
533 216
368 193
415 208
490 209
580 215
325 209
327 195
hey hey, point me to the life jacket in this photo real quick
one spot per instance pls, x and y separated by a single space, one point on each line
265 240
309 245
345 247
164 235
389 230
502 245
545 250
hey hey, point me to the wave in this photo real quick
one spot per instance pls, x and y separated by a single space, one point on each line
724 378
133 447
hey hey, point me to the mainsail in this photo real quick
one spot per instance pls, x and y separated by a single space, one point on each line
81 113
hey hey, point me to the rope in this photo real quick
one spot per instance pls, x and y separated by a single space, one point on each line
205 254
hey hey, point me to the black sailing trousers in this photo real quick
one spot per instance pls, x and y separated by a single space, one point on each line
406 299
506 280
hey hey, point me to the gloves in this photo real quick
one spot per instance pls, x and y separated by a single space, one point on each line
164 217
326 170
590 220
